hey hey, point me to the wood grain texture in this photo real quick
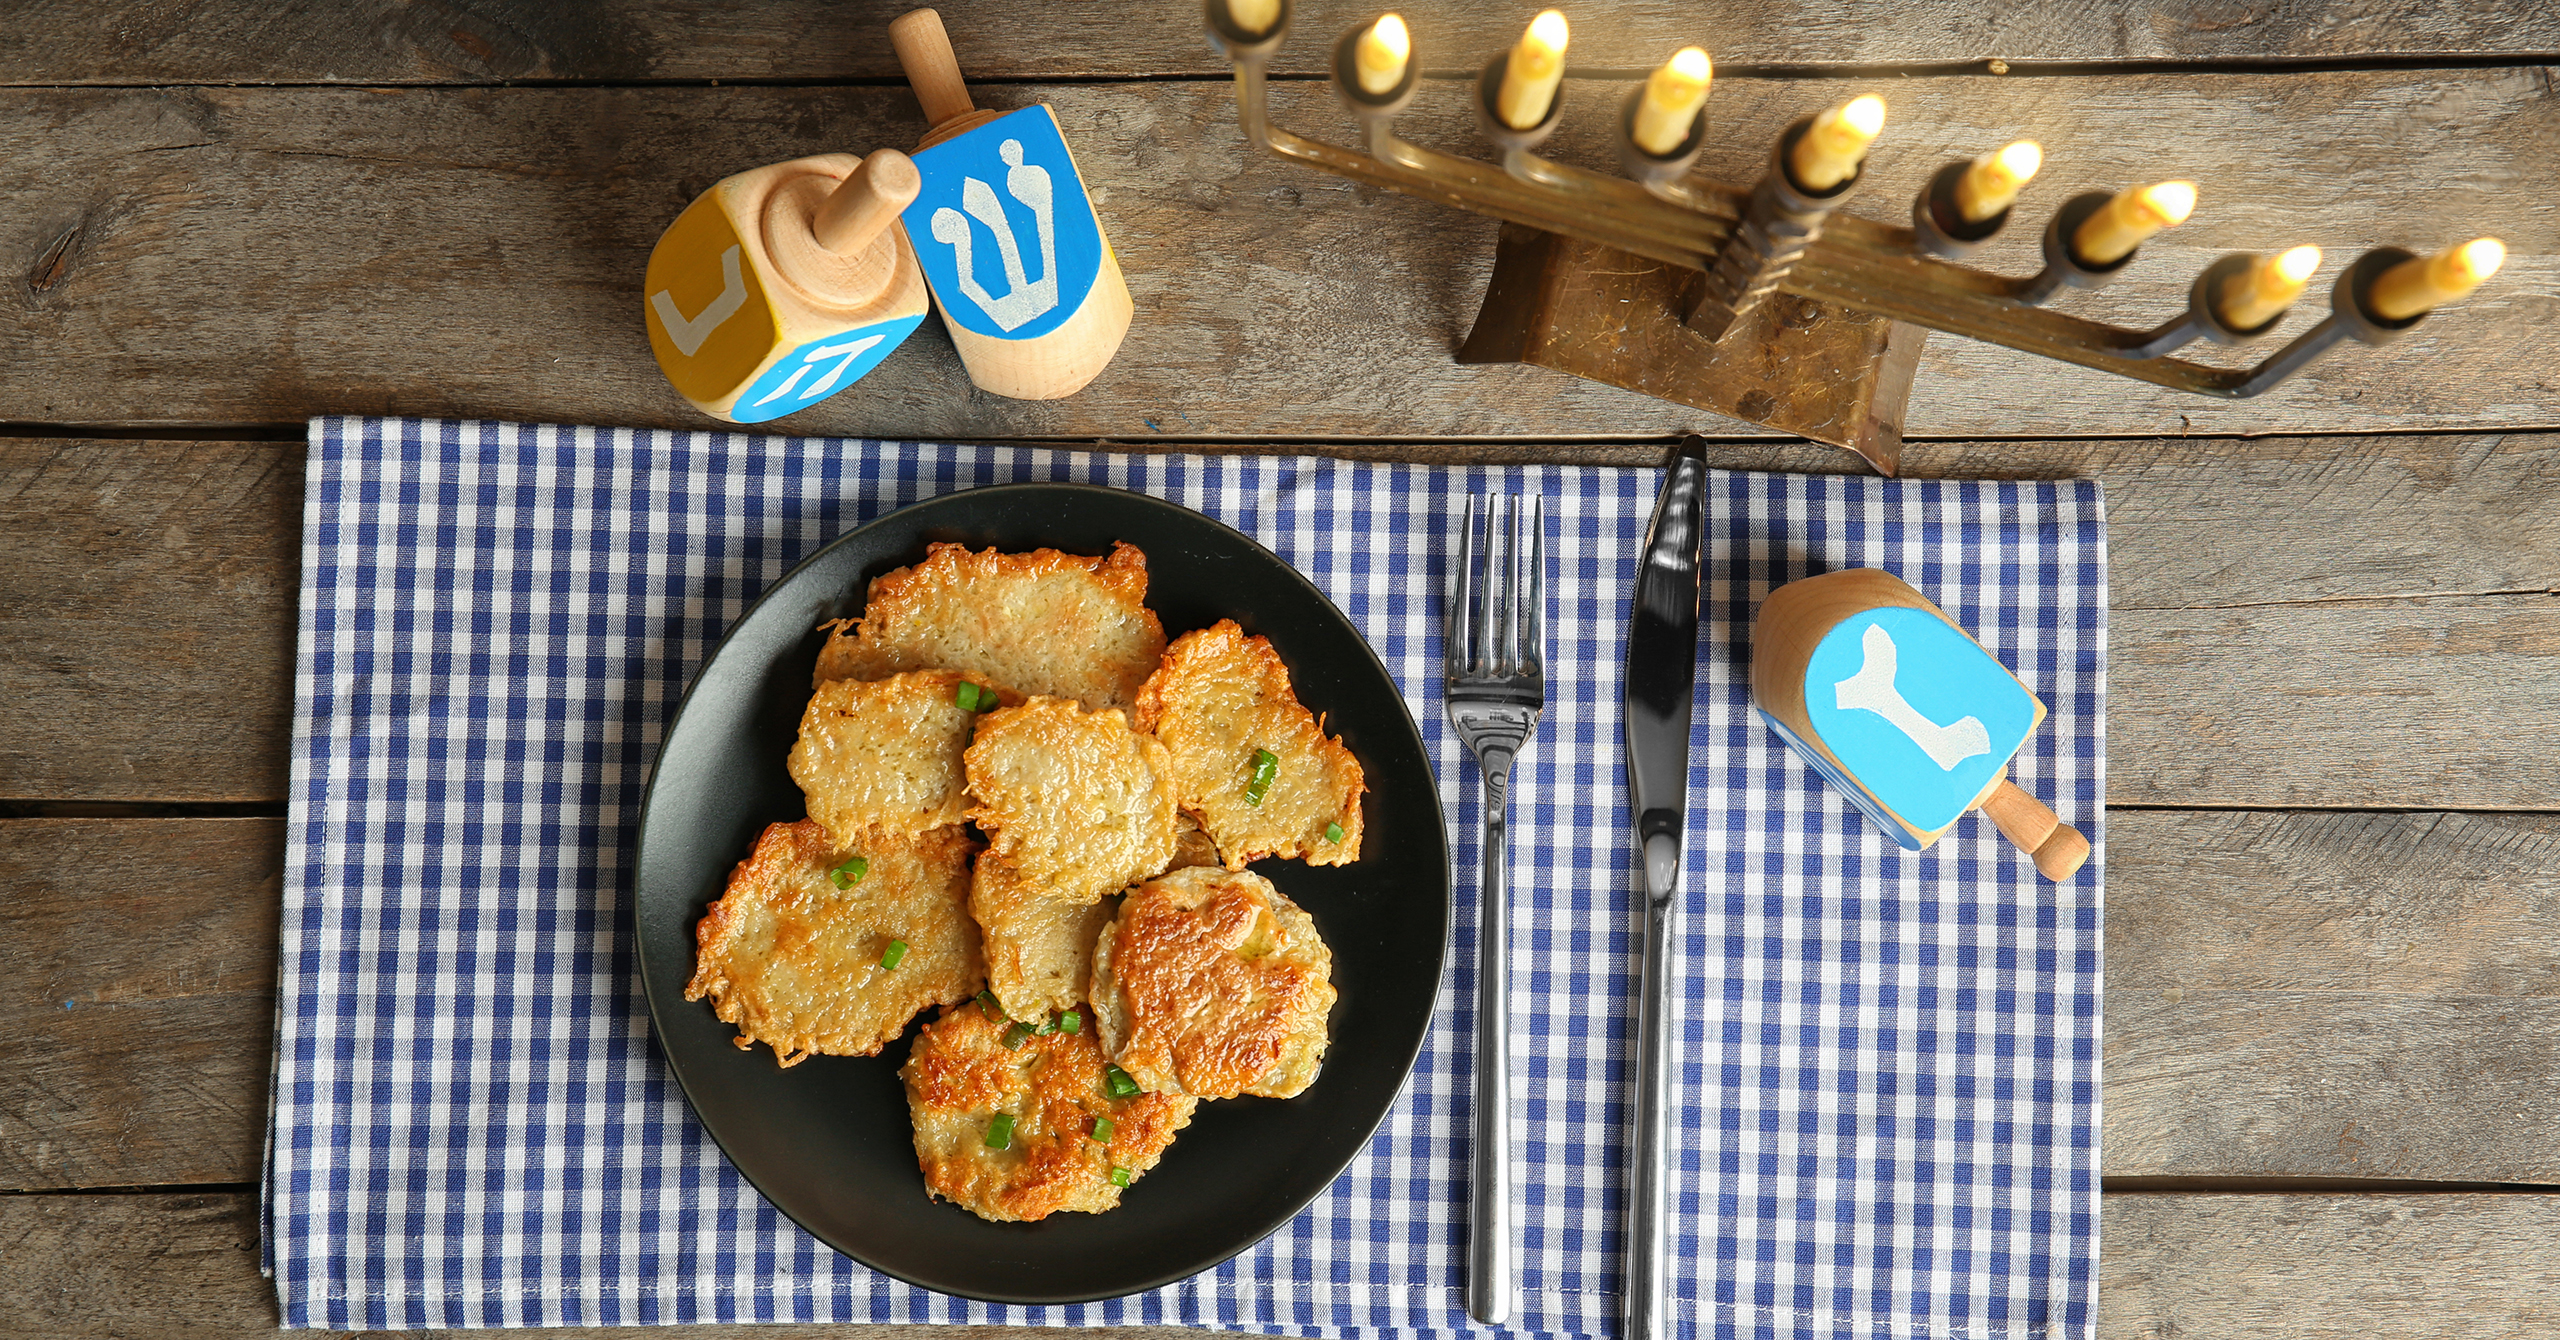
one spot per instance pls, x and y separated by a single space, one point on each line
55 42
479 252
2289 995
137 988
2268 1267
146 612
2276 636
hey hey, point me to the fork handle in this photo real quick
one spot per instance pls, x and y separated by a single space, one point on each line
1492 1270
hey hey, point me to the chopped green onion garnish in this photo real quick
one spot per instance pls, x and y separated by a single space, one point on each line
896 953
1000 1131
1014 1036
965 697
1116 1082
1119 1175
1071 1022
1266 769
1333 832
1102 1129
851 872
987 1001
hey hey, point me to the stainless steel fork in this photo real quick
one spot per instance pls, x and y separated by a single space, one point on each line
1494 653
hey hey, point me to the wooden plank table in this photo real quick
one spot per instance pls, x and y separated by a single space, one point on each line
2333 1016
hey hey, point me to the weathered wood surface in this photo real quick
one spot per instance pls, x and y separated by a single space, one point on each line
2412 1267
241 255
472 41
140 972
2297 622
147 609
2289 995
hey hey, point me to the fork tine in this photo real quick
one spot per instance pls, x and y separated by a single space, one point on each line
1460 634
1533 638
1493 637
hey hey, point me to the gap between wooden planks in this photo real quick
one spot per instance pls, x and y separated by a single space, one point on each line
479 252
380 42
2411 1267
2297 622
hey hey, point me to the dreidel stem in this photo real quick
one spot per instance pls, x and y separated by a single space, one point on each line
868 201
2057 847
924 52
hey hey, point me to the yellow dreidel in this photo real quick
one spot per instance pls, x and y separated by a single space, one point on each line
1878 690
1008 238
779 287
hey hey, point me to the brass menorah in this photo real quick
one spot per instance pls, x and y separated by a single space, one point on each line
1707 324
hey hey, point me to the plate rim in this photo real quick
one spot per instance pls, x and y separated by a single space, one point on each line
649 988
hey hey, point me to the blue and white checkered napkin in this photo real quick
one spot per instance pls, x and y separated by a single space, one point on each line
1889 1093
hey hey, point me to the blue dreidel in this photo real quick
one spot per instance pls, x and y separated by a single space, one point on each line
1897 706
780 287
1016 259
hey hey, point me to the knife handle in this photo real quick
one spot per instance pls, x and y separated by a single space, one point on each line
1492 1271
1648 1221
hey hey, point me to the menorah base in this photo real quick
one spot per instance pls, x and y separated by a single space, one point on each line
1792 364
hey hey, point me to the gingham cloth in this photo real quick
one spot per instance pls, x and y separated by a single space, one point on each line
1887 1082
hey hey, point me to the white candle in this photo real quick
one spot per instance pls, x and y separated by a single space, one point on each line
1672 96
1994 180
1536 67
2429 282
1836 143
2257 295
2131 218
1381 55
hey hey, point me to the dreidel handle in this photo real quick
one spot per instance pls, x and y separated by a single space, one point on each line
924 51
868 201
2057 847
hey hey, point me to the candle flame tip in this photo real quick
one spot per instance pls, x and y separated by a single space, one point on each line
1691 63
2295 266
2172 200
2021 159
1865 114
2482 256
1550 28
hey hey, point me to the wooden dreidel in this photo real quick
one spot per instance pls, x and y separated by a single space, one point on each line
1902 710
1017 261
779 287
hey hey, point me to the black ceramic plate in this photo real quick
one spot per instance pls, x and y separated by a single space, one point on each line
828 1141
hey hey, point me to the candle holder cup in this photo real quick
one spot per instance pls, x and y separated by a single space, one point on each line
1770 304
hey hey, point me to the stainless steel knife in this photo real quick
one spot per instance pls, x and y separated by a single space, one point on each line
1662 674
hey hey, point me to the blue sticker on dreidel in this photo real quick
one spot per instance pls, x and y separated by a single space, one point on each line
1919 713
819 369
1008 240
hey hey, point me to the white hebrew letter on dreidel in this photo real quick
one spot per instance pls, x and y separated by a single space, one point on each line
1030 185
1872 689
687 336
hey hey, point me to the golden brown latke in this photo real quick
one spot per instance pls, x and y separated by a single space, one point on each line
1213 983
1041 622
795 961
1074 800
1219 699
1039 948
885 753
960 1075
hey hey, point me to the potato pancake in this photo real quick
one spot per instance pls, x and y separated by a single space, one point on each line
1212 983
1249 761
1044 622
1074 800
798 953
1019 1132
1039 948
885 753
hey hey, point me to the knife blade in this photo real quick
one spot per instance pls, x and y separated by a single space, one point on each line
1661 681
